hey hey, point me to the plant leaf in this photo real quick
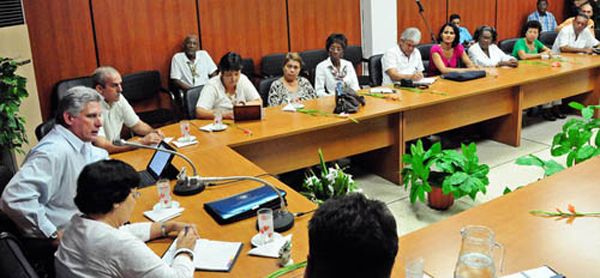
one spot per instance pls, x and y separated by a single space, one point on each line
576 105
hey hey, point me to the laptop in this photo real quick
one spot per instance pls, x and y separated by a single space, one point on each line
157 167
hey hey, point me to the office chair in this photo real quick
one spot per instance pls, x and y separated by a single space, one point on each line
42 129
425 49
143 88
60 89
263 89
375 70
249 71
548 38
13 264
191 99
507 45
354 54
272 65
311 59
597 33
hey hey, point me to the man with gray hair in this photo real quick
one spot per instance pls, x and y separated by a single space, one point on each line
117 112
39 198
402 61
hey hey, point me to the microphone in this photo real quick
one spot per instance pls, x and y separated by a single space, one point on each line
186 185
420 6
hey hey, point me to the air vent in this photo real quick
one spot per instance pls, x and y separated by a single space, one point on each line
11 13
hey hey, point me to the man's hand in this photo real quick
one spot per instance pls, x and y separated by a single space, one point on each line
151 138
417 76
56 241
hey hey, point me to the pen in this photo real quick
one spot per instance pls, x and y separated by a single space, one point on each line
186 230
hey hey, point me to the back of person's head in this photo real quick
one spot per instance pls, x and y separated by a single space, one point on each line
336 38
456 33
454 16
482 29
532 24
231 61
352 236
100 75
74 101
103 184
293 56
411 34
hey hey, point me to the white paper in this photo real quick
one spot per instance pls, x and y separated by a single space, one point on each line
382 90
163 214
209 254
168 139
270 249
289 108
540 272
425 81
183 144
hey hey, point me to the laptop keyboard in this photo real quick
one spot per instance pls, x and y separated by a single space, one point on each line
146 179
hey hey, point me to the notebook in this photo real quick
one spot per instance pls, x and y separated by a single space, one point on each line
210 255
157 167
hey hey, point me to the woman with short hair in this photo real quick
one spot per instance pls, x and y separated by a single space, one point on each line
446 55
97 243
529 47
486 53
291 87
334 69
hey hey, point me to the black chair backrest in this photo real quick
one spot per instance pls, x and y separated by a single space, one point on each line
141 85
5 175
191 99
507 45
548 38
248 68
13 263
597 33
311 59
425 49
43 129
353 54
60 90
263 89
375 70
272 65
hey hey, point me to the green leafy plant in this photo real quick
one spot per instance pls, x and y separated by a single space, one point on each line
575 139
12 91
456 173
330 183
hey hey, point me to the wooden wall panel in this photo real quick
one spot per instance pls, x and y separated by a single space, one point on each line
312 21
137 35
512 15
557 8
408 16
253 28
62 44
474 13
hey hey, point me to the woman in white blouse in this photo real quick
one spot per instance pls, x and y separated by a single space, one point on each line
486 53
334 69
98 244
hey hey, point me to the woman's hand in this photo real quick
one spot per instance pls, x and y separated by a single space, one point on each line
186 239
173 226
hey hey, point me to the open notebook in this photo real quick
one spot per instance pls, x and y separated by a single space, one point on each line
210 255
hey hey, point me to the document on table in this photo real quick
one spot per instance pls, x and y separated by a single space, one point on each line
425 81
540 272
210 255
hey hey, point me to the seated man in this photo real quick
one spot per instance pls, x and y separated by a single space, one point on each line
192 67
351 236
39 198
403 61
542 15
575 38
116 111
464 35
585 9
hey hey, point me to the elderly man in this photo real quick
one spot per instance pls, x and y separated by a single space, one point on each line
542 15
586 9
39 198
575 38
402 61
192 67
335 250
116 111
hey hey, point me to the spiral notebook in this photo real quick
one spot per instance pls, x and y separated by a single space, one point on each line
210 255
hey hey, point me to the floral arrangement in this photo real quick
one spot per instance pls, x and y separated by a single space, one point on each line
330 183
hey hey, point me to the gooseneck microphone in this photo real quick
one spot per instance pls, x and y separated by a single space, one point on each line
420 6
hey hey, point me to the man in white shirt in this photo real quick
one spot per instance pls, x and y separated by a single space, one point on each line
402 61
192 67
116 111
575 38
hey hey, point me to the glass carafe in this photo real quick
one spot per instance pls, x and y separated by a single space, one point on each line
476 259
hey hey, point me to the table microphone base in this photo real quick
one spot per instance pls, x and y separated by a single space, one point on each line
282 221
183 189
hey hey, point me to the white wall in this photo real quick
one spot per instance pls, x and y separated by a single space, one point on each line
379 26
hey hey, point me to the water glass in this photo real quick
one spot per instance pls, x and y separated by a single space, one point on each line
414 266
218 119
164 193
185 130
265 225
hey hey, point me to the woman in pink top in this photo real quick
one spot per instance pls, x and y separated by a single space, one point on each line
445 56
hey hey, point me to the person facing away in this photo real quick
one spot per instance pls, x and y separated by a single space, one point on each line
191 67
334 69
543 16
403 61
117 112
351 236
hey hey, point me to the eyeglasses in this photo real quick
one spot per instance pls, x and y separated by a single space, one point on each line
336 49
136 194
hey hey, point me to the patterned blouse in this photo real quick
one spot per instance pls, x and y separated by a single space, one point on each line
278 94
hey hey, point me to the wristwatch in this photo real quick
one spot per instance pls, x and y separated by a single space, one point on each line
54 235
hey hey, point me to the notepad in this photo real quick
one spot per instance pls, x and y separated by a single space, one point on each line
425 81
540 272
163 214
210 255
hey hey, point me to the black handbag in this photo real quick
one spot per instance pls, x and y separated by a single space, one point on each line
347 100
464 75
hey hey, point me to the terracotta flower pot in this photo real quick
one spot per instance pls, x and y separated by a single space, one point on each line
438 200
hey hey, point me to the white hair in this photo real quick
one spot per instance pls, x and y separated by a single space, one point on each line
412 34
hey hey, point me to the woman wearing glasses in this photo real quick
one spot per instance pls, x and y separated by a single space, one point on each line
96 243
334 69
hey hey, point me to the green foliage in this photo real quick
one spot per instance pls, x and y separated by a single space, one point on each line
508 190
575 139
330 183
550 167
12 91
458 173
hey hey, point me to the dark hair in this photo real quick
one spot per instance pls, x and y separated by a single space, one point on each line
293 56
583 15
350 229
483 28
532 24
456 33
230 61
539 1
336 38
103 184
453 17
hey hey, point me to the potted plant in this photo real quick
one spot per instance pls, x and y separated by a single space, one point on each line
12 126
329 183
575 139
443 174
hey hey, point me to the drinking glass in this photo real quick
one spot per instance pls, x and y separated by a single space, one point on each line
414 266
185 130
164 193
265 225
